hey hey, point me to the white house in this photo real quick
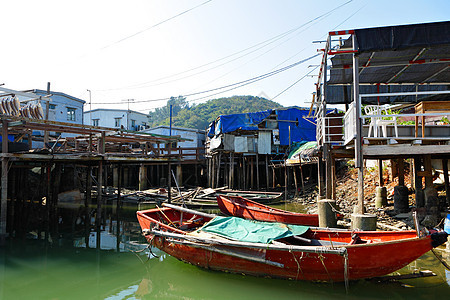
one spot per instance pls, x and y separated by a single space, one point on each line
116 118
195 138
62 107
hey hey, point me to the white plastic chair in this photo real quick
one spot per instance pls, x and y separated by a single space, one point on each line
374 112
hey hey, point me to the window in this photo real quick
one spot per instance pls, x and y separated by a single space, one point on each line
51 106
95 122
71 114
133 123
117 122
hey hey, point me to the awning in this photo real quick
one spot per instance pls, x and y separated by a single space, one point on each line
405 58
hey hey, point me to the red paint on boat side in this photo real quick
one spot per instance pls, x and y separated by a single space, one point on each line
381 252
244 208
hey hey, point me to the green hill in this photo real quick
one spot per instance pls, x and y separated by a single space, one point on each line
199 116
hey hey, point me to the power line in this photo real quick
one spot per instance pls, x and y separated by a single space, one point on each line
238 84
261 45
301 78
155 25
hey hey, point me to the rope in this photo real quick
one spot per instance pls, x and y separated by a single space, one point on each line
299 269
346 271
321 257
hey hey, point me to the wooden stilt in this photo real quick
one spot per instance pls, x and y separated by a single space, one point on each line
445 170
401 171
295 181
302 179
98 218
4 192
252 175
267 172
257 171
87 202
380 172
418 187
118 209
169 182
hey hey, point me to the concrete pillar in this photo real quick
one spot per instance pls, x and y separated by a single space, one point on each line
401 203
364 222
327 215
380 197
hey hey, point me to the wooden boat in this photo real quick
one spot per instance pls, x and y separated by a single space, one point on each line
244 208
315 254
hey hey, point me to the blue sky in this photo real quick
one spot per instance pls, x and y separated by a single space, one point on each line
117 50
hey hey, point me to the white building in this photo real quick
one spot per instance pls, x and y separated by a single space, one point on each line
116 118
62 107
195 138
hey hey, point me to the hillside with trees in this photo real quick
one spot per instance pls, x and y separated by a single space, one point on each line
200 115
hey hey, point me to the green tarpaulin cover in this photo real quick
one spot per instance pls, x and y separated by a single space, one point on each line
251 231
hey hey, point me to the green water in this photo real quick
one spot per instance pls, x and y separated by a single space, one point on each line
32 270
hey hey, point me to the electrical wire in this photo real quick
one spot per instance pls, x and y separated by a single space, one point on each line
155 25
259 46
238 84
300 79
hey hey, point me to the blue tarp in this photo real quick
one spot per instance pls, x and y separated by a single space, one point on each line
301 130
247 121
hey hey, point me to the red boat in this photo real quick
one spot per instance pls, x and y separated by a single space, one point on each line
312 254
244 208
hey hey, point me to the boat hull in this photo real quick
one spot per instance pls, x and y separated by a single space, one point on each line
373 254
244 208
364 261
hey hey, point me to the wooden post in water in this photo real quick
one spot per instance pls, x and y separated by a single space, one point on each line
87 202
295 182
285 181
4 193
257 171
142 177
118 208
169 182
251 166
98 218
445 170
267 172
418 187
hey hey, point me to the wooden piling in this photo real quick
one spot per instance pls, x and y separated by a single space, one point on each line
418 188
99 203
4 192
446 181
118 209
87 202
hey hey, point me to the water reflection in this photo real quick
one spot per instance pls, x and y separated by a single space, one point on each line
33 269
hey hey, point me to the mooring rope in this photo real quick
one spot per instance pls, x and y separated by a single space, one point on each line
346 271
299 269
321 257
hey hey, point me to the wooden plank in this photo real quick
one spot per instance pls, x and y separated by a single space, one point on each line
404 149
